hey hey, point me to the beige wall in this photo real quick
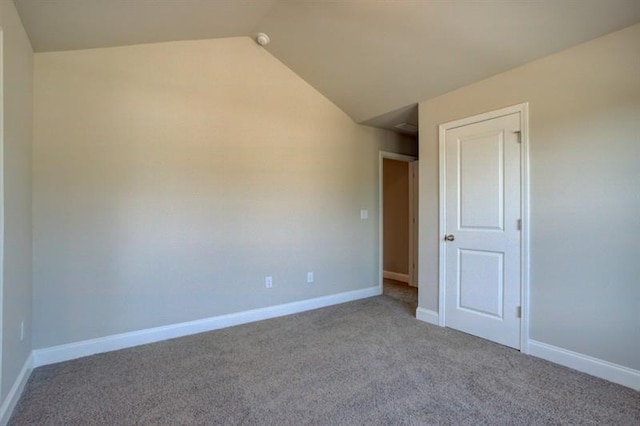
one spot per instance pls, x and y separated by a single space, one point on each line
171 178
396 216
585 192
17 80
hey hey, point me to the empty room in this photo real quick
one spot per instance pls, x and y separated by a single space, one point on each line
319 212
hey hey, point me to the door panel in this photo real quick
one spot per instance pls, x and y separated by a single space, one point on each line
481 284
482 201
481 181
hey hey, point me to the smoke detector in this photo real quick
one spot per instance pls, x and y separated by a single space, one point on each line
262 39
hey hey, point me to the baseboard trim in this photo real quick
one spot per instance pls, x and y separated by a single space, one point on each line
396 276
54 354
15 392
427 315
596 367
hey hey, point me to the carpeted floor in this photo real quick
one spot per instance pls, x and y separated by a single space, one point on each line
403 292
366 362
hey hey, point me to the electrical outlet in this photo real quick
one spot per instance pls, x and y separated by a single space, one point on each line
309 277
21 330
268 282
364 214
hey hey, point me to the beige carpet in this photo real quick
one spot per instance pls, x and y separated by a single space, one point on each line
402 292
368 362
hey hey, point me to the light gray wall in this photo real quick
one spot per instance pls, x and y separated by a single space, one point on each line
585 191
16 171
396 216
171 178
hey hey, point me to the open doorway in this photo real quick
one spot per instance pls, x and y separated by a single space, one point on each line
399 227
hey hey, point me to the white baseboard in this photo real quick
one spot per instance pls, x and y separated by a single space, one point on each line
75 350
396 276
596 367
427 315
9 403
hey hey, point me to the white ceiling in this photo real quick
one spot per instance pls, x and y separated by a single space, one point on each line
83 24
375 59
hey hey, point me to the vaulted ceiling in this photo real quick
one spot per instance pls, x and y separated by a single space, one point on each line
375 59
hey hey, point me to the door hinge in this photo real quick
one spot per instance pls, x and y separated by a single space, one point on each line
519 312
518 135
519 224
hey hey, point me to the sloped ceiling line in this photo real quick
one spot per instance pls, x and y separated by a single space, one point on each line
373 59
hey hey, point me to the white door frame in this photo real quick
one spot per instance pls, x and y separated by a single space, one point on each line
413 228
1 197
413 223
523 109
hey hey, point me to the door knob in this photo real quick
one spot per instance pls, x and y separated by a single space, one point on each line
449 237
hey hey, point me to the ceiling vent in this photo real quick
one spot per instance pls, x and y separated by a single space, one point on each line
407 127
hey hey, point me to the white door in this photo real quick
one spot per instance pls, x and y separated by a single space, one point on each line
482 229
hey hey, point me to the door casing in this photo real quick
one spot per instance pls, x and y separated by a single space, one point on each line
523 109
1 199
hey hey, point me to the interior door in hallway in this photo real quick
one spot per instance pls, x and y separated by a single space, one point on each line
396 217
482 229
